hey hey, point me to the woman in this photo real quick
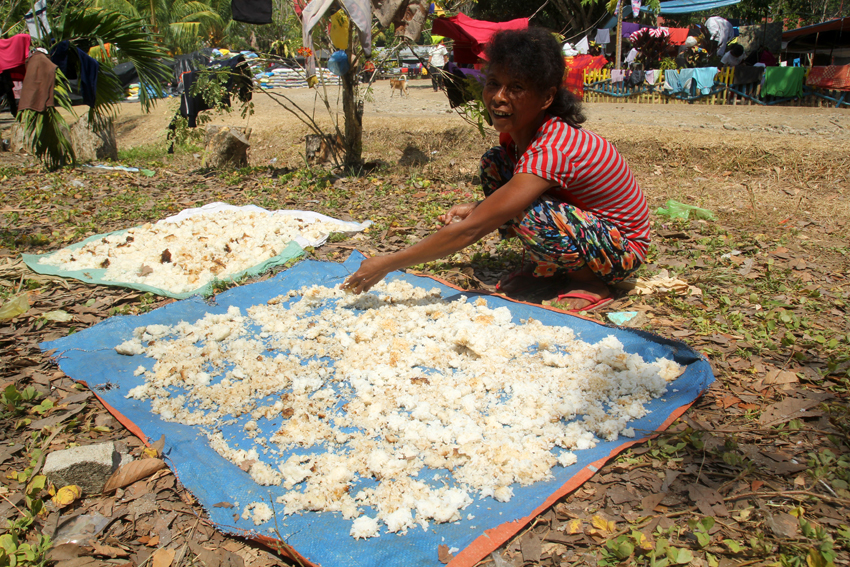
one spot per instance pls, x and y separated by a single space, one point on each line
563 191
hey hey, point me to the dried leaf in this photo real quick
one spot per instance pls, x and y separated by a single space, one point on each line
66 495
162 557
781 377
58 315
443 554
65 552
16 306
531 547
782 524
165 257
573 527
145 271
223 505
132 472
650 502
108 551
603 525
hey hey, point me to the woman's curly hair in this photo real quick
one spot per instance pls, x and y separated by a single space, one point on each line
534 55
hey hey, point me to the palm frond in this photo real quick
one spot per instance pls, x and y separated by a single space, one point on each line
50 135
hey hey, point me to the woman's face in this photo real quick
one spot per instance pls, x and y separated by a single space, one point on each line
513 103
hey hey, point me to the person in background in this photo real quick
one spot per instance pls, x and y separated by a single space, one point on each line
436 61
734 57
565 193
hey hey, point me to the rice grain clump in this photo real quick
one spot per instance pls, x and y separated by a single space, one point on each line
387 385
183 256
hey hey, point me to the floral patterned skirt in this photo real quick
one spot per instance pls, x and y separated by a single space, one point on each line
558 237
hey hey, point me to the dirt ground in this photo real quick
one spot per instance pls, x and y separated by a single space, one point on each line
757 472
425 116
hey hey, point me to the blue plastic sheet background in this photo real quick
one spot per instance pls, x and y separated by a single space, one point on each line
323 538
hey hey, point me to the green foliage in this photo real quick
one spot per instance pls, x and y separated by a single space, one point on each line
85 27
13 400
182 26
701 528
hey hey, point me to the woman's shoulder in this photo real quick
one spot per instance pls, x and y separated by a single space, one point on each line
557 131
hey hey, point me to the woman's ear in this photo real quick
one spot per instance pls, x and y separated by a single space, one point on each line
550 97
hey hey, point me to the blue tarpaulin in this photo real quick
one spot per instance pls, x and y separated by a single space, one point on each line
676 7
688 6
322 538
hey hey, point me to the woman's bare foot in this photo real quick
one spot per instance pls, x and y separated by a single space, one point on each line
583 291
523 281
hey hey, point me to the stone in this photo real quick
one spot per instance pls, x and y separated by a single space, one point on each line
226 146
88 467
91 143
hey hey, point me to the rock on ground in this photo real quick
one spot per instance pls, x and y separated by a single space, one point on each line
88 467
90 144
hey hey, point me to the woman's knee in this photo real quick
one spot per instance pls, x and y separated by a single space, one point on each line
496 169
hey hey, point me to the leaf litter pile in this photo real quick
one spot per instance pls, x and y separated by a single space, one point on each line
755 473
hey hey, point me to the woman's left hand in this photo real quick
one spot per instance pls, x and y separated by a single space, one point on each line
372 270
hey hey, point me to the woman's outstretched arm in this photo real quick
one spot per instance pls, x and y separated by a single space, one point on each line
506 203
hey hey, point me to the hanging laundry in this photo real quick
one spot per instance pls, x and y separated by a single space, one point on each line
37 23
631 56
618 76
651 76
85 70
678 36
831 77
747 75
628 28
239 82
603 36
408 16
14 51
39 83
7 89
361 15
252 11
339 30
704 77
89 70
672 81
783 81
636 78
582 46
636 8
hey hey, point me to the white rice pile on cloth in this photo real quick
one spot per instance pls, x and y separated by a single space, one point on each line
185 252
387 385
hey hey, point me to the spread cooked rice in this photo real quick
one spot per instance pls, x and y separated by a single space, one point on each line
387 385
185 255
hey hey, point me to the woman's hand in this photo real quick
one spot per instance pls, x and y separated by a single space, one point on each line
458 212
372 270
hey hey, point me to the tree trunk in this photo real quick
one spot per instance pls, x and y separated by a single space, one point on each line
226 146
353 112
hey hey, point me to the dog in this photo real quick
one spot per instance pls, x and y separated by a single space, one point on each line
400 85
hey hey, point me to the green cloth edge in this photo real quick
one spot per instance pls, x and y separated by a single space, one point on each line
95 276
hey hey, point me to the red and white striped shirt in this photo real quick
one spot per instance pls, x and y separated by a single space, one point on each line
591 175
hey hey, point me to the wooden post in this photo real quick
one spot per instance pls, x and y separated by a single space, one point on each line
619 51
352 109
